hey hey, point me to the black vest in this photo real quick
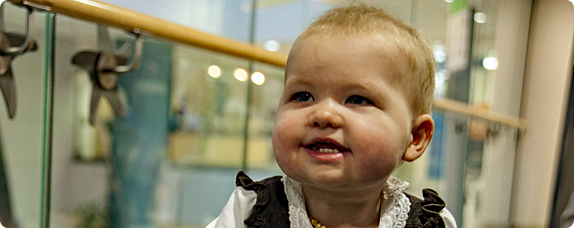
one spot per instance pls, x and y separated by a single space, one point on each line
271 207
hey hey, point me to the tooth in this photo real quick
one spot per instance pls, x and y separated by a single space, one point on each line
327 150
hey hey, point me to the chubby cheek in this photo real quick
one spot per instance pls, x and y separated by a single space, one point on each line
379 167
381 151
287 134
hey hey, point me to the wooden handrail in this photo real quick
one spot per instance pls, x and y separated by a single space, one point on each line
106 14
462 108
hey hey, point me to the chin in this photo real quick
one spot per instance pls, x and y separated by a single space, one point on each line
329 179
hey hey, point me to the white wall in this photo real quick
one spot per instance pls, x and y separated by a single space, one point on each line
547 80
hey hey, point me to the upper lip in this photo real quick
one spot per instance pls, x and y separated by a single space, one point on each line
326 143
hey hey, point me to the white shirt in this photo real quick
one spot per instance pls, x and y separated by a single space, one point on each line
394 209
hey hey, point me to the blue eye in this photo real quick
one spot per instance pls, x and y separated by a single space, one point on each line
358 100
302 97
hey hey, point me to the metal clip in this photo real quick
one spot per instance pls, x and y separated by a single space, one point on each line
12 45
104 68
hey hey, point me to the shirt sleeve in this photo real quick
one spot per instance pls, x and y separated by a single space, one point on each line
447 218
236 210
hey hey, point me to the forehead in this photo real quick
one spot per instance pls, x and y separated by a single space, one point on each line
355 55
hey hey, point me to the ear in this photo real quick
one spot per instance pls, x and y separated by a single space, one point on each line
421 135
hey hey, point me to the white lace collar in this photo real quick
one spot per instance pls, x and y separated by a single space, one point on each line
394 208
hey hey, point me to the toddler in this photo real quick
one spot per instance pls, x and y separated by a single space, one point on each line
358 93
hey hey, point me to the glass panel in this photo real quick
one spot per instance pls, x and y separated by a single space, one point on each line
184 125
105 174
209 107
490 151
79 185
21 141
484 53
490 181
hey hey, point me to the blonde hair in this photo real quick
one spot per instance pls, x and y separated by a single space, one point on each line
361 19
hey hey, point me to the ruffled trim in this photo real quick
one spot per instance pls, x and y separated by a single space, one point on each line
395 186
394 217
269 208
297 210
397 214
426 212
256 218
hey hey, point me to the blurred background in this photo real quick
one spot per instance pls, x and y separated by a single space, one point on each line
196 117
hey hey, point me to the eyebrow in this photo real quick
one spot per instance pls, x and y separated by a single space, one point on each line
353 85
297 81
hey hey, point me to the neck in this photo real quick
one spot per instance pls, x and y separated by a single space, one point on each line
343 209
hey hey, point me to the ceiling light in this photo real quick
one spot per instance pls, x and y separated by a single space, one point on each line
258 78
214 71
480 17
240 74
490 63
271 45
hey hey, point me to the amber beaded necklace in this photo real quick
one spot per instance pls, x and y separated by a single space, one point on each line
317 224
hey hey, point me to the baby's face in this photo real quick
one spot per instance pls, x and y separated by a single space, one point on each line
341 122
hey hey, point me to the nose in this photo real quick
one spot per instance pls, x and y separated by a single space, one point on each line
326 114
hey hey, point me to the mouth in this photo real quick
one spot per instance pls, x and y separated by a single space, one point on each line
325 145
